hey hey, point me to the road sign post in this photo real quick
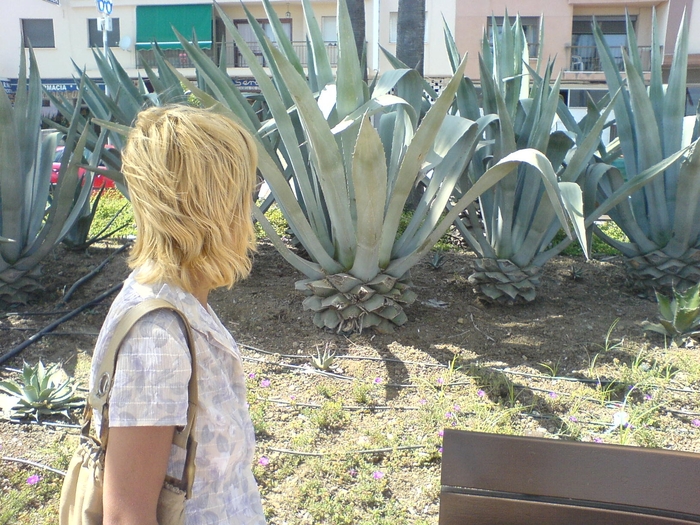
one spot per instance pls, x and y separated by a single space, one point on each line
105 8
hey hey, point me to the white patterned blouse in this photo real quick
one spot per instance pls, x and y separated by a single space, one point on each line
150 388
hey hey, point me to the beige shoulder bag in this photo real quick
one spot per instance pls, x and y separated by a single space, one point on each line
81 494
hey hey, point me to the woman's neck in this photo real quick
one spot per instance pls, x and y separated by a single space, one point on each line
201 293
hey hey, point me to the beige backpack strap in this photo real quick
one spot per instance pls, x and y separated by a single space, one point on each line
98 397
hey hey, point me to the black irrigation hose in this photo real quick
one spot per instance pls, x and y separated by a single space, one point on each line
41 333
583 380
28 314
19 329
350 408
90 275
348 357
682 413
298 367
347 453
551 378
34 464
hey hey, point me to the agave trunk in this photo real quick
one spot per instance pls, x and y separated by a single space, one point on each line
660 270
345 303
504 282
17 286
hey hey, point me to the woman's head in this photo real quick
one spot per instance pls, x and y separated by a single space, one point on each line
191 174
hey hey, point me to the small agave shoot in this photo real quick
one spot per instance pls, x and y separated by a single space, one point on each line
43 392
437 261
324 359
352 153
32 222
661 219
679 315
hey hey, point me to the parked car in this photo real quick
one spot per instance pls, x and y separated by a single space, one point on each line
98 180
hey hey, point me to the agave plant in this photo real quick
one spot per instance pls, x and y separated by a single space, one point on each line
43 392
513 226
31 222
341 159
679 314
661 220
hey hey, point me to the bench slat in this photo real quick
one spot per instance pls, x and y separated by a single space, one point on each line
652 478
464 509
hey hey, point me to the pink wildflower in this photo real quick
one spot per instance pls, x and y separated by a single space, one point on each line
33 480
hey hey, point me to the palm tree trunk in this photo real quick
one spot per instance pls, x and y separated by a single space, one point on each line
356 8
411 28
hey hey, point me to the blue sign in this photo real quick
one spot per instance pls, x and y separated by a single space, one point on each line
105 6
246 84
54 85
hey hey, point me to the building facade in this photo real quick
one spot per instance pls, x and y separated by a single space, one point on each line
63 33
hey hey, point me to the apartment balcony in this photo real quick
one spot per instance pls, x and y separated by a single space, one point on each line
587 59
234 58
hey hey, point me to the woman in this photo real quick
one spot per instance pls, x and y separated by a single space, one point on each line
190 174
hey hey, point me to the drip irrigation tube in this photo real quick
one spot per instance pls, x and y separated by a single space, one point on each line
41 333
348 357
347 453
90 275
34 464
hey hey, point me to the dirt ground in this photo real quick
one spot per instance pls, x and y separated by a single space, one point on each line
567 317
563 329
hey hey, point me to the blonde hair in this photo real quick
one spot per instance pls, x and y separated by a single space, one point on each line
191 174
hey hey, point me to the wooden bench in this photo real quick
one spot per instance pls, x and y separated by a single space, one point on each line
491 479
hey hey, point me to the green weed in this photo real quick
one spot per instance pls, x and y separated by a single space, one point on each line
598 246
113 213
330 416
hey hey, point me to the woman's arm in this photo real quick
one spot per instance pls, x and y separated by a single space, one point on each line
135 466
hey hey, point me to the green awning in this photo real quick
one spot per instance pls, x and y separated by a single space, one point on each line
155 23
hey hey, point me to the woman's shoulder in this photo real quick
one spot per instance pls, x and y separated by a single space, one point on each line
156 329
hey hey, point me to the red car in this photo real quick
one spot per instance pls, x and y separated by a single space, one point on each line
97 181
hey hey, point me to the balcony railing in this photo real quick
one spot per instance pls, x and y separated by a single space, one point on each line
586 58
234 58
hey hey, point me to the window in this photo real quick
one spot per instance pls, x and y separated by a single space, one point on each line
394 27
251 39
578 98
38 32
584 54
692 99
329 28
531 28
95 34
